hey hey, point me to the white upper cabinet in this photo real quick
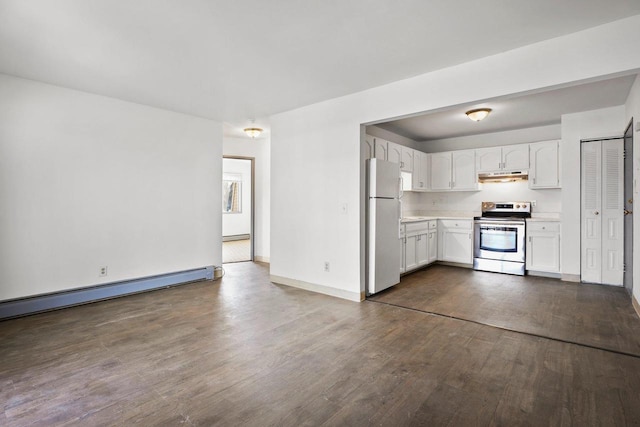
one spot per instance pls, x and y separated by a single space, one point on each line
440 171
380 149
515 157
510 157
420 171
545 165
488 159
394 152
453 171
463 172
407 159
368 147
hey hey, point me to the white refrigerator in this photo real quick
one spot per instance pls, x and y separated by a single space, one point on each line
383 225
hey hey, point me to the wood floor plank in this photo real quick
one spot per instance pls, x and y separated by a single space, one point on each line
596 315
243 351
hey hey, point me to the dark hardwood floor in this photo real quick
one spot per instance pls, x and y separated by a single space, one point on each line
243 351
593 315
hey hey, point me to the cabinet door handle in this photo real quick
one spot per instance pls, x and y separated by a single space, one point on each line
401 164
529 239
469 235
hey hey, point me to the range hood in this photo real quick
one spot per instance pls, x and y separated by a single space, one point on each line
512 176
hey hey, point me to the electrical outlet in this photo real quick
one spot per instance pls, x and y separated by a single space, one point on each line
103 271
326 266
533 203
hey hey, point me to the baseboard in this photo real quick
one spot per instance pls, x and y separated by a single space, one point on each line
56 300
455 264
264 259
570 277
544 274
635 304
321 289
236 237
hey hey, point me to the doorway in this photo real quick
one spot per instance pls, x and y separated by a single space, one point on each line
628 208
237 209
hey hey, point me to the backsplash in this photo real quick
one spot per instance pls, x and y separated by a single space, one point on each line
547 201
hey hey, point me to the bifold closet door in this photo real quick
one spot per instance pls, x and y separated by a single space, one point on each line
602 190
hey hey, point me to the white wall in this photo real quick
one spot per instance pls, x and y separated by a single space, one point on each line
316 149
605 122
234 224
547 201
88 181
632 110
390 136
260 150
494 139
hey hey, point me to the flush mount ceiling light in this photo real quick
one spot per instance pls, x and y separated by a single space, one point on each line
478 114
253 132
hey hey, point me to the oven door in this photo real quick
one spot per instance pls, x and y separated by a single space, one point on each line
499 240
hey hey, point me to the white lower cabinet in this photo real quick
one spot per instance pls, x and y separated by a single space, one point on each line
420 244
432 240
411 256
543 246
402 248
455 241
422 250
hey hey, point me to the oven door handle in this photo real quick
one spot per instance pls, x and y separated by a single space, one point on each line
498 223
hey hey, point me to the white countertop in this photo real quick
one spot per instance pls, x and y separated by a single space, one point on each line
432 218
417 218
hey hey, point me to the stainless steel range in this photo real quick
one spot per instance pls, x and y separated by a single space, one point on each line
500 237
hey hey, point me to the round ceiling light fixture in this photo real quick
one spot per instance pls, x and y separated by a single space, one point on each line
478 114
253 132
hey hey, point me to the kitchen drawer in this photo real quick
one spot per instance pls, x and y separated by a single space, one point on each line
550 227
414 228
460 224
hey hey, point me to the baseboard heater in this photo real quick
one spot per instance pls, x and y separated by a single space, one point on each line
39 303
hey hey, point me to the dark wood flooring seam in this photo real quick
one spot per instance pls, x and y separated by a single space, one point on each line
622 353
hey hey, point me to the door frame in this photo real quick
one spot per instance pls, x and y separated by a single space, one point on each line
627 275
252 237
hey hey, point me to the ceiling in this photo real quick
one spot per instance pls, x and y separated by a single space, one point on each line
235 60
518 112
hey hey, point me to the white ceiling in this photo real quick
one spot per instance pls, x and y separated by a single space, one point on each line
517 112
235 60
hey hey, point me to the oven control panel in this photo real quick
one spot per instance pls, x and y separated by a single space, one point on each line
506 207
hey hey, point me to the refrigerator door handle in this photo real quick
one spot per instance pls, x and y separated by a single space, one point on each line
399 218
